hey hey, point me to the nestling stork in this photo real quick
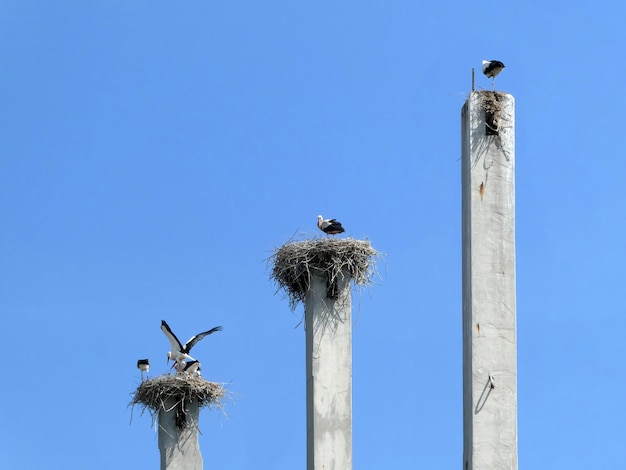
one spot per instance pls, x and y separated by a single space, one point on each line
491 68
329 226
179 352
144 366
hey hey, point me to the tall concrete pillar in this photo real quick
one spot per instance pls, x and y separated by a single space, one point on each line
319 273
489 312
178 435
329 374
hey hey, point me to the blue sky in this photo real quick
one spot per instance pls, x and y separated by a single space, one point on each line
154 153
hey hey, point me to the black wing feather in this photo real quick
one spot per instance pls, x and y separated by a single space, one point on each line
194 339
334 227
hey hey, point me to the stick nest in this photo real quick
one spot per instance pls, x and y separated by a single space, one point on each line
491 101
153 394
293 263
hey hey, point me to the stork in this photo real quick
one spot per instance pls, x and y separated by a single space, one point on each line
144 366
491 68
191 368
180 352
329 226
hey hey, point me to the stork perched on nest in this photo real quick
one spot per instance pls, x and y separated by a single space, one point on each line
144 366
180 352
491 68
191 368
329 226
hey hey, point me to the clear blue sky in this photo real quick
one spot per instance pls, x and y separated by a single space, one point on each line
154 153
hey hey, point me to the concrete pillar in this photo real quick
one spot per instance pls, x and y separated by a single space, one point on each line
329 375
489 312
179 445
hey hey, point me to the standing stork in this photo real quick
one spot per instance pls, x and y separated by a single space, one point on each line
144 366
180 352
329 226
491 68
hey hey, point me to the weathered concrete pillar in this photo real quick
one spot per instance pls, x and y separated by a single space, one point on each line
329 374
178 435
319 274
489 312
176 400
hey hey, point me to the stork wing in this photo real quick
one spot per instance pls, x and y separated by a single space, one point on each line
176 346
190 364
332 227
194 339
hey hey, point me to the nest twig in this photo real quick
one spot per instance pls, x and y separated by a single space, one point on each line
293 263
161 392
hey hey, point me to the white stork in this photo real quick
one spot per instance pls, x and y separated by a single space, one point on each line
329 226
191 368
491 68
144 366
179 351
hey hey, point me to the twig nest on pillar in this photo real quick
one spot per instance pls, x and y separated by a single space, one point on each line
491 101
168 391
295 262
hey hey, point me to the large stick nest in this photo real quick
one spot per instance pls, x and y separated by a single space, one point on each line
294 262
160 392
491 101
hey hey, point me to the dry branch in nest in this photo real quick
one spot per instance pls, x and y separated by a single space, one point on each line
293 264
167 392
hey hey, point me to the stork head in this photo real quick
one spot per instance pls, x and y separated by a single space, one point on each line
320 219
169 357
